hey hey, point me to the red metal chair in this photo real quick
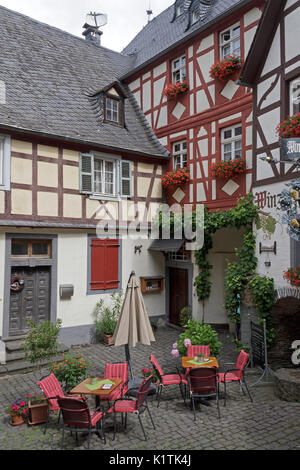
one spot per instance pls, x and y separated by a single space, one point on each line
77 417
203 383
136 406
52 390
237 374
168 379
194 350
117 370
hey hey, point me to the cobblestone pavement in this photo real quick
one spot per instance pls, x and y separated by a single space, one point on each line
267 423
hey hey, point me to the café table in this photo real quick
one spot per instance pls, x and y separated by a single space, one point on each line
97 390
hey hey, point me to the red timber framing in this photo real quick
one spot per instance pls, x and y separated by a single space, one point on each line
199 115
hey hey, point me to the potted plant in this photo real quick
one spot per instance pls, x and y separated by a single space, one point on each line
71 370
228 169
41 343
175 89
175 178
18 411
225 68
106 317
184 316
37 409
198 333
148 372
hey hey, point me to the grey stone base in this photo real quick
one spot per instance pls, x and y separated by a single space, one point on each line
287 384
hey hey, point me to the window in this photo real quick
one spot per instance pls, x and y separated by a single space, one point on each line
180 154
195 15
104 265
104 176
112 110
4 162
231 142
179 10
230 43
31 248
295 96
179 70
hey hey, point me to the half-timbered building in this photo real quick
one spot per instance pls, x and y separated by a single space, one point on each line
75 150
209 122
272 69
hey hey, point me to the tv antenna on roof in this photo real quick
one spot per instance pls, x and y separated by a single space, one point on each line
149 13
96 19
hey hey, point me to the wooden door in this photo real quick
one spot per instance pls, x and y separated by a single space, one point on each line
33 302
178 288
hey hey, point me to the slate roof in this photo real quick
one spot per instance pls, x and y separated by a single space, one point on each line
51 80
162 34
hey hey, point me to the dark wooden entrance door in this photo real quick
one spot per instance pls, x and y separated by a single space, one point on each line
178 293
33 302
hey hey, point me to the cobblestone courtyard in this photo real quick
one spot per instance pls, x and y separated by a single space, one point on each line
267 423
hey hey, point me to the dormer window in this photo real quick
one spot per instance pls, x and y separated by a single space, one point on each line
195 15
179 10
114 108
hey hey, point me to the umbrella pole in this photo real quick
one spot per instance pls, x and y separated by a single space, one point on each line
127 353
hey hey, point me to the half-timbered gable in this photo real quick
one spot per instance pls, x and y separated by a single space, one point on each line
194 38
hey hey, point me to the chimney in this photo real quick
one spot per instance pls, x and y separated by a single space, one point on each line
92 34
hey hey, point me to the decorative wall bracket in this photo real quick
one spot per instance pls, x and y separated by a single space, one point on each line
268 249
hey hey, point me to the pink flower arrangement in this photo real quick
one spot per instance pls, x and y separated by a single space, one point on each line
19 407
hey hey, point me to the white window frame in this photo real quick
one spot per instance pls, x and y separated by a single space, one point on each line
181 153
5 153
232 140
292 99
195 15
230 41
108 108
181 69
179 10
103 182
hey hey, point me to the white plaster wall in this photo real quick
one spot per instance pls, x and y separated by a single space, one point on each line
291 31
273 59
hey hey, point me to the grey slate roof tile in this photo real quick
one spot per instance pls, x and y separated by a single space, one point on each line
161 34
51 80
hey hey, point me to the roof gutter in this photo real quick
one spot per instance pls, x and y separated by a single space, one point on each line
72 140
187 38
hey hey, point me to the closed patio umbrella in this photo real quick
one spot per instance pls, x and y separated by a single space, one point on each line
133 325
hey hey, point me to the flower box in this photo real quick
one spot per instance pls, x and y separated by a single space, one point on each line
225 68
228 169
292 275
37 411
175 178
290 127
175 89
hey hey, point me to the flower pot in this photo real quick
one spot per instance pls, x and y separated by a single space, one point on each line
16 420
108 339
37 414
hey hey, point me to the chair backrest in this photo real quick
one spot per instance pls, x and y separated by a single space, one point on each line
241 363
118 370
51 388
75 412
195 349
143 391
156 366
203 380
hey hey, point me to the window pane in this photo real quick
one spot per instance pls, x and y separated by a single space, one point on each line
40 248
225 36
295 96
238 131
227 156
236 31
19 248
227 134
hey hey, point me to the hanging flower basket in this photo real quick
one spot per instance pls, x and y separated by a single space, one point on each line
175 178
290 127
226 67
228 170
175 89
292 275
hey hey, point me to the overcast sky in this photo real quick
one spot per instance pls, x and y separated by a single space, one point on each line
125 17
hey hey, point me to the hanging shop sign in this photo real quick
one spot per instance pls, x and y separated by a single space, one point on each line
290 149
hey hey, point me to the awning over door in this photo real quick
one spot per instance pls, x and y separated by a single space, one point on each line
166 245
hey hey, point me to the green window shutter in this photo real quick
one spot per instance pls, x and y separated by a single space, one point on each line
126 178
86 173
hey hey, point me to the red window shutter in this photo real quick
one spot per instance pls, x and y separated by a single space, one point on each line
104 264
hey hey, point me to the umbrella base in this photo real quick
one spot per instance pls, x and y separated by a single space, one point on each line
135 384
